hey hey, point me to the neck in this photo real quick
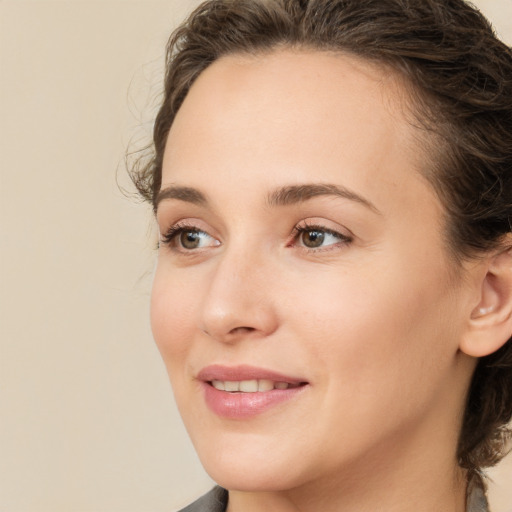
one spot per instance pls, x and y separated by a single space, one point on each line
418 472
385 487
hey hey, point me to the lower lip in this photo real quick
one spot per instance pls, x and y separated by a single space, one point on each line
246 405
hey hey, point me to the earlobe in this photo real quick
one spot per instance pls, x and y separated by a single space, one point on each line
490 323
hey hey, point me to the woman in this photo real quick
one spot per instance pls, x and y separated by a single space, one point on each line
332 180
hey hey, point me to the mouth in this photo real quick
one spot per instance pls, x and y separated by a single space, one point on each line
252 386
242 392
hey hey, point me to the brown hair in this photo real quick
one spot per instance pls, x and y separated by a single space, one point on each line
462 78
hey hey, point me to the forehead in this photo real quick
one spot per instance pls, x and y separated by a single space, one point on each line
312 80
293 116
289 96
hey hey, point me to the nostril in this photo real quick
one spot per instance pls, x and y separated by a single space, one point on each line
229 336
241 330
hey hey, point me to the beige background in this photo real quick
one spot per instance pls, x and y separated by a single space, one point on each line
87 419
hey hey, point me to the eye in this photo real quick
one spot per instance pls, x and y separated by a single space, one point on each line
193 239
188 238
318 237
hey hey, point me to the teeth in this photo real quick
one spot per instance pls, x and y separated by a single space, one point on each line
218 384
249 386
231 385
265 385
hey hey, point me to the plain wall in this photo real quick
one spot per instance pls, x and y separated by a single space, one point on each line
87 418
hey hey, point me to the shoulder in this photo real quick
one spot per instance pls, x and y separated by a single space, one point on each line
214 501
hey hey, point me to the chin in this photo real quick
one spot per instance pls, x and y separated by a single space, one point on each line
250 466
248 478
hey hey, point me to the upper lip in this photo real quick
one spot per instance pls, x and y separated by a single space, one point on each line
244 372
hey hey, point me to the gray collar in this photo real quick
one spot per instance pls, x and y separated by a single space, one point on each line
214 501
476 497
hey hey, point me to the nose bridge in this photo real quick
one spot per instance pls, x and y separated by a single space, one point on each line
238 297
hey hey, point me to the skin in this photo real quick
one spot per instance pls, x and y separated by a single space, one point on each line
373 324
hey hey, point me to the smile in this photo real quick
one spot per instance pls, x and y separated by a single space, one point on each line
243 392
250 386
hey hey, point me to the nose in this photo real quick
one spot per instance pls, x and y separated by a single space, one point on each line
239 301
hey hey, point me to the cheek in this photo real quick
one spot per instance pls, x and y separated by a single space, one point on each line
172 307
390 328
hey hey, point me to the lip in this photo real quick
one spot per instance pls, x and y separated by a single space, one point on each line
246 405
244 372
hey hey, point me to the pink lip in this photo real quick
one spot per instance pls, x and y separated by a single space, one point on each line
243 372
245 405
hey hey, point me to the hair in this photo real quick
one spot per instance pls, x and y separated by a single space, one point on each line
461 77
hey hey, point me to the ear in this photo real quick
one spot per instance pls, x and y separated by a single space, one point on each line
490 323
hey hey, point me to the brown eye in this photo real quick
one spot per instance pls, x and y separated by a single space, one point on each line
318 237
187 238
190 239
313 238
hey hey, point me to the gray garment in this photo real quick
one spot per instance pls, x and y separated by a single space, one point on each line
217 499
214 501
476 497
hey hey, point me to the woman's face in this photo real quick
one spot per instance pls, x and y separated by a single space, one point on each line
304 302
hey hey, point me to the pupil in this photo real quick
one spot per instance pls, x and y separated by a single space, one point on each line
189 239
313 238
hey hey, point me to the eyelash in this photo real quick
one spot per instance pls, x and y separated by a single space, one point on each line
298 231
169 238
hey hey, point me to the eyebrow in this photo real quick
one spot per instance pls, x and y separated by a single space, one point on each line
293 194
283 196
187 194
